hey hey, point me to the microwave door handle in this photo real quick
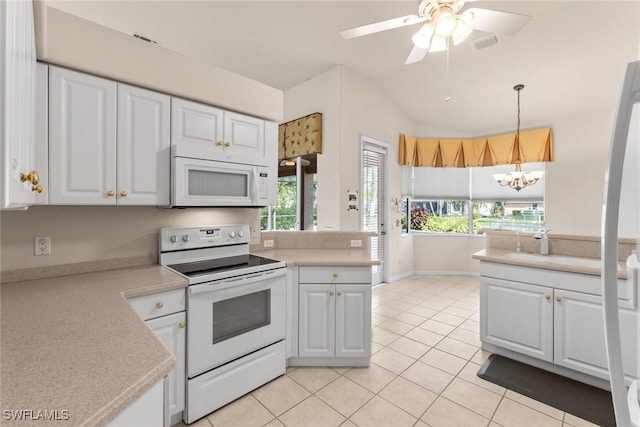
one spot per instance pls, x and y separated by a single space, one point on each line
254 184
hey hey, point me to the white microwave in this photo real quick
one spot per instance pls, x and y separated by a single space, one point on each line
200 182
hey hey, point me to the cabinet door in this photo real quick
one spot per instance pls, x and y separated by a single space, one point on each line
171 331
42 132
146 411
353 321
517 316
243 138
197 129
579 341
17 103
143 147
82 138
316 313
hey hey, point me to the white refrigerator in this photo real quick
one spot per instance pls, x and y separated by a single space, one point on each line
621 218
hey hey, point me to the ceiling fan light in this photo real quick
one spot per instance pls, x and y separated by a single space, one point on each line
461 33
438 44
422 38
446 22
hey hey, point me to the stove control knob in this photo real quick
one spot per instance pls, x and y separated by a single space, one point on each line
186 238
240 233
232 234
173 238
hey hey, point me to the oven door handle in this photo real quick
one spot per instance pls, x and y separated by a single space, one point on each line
238 281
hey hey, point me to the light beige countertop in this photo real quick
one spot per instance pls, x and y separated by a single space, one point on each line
74 343
497 255
322 257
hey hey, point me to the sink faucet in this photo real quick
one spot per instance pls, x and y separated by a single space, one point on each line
542 235
518 248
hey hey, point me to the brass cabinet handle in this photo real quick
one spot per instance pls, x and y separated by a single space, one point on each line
111 193
335 275
159 305
31 177
558 299
330 293
547 296
227 144
181 325
123 193
339 293
219 143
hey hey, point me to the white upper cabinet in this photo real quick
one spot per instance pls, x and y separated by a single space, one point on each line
42 132
243 138
95 162
205 132
82 138
17 105
143 148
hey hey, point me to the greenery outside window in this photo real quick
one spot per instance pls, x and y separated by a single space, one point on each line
455 216
297 205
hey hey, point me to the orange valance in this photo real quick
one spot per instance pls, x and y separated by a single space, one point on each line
534 146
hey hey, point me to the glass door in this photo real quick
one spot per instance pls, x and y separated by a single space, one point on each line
374 201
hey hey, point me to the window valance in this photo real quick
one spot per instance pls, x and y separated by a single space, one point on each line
534 146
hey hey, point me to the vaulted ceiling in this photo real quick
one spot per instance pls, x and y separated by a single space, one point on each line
571 55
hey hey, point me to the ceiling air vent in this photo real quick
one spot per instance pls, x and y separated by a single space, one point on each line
484 42
146 39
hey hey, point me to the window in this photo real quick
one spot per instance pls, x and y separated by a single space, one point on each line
463 201
297 206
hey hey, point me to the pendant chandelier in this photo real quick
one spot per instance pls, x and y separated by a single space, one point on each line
518 179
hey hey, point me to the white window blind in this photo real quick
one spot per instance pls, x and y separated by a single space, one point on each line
373 197
441 183
485 187
407 181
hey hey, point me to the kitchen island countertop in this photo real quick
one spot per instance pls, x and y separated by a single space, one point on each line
73 343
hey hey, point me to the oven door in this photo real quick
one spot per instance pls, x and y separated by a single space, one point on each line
232 317
199 182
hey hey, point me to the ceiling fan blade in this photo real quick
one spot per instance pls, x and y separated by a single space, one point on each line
494 21
376 27
417 54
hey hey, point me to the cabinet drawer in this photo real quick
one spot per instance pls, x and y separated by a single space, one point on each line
160 304
335 275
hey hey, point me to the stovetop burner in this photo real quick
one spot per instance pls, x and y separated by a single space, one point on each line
209 266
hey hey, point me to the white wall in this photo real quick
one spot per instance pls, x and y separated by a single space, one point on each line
446 254
322 94
352 107
94 233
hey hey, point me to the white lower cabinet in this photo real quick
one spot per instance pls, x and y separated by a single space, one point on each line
146 411
518 317
579 341
334 319
172 332
165 314
562 327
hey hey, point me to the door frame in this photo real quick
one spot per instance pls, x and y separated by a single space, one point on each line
383 147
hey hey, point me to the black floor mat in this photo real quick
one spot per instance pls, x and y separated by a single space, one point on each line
582 400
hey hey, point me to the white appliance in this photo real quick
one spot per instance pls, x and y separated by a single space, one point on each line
236 311
625 401
204 182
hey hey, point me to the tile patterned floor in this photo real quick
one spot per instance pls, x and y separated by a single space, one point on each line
423 373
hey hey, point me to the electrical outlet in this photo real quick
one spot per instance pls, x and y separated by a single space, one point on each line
268 243
42 246
356 243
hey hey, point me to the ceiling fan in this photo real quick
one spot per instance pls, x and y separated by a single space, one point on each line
443 21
